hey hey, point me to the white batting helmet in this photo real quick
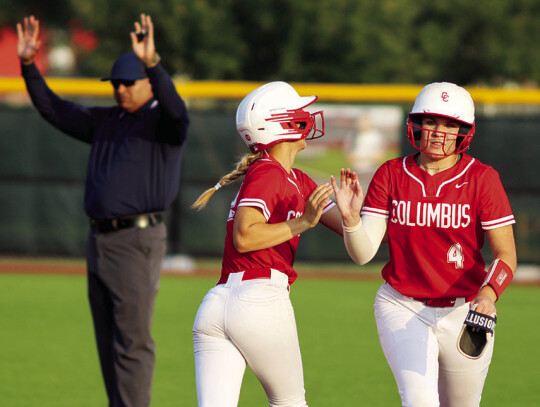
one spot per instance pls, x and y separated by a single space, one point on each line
446 100
275 112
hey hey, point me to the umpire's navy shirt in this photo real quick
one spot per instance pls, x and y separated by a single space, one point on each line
134 163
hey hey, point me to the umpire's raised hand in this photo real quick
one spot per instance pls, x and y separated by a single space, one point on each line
142 40
28 43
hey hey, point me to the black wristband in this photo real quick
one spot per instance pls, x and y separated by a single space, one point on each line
481 321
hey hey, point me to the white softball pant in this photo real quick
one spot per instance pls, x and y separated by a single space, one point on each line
249 322
420 345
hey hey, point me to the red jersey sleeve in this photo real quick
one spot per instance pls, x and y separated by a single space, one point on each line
263 189
495 210
377 201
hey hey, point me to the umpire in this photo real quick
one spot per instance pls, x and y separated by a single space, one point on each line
133 175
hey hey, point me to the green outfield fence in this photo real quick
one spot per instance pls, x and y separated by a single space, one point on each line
42 171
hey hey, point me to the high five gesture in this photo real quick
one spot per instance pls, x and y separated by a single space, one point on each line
349 197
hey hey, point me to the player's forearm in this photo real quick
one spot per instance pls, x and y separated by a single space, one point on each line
503 245
488 292
363 240
351 219
332 220
508 256
264 235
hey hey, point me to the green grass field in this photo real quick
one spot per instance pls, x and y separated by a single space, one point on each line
48 356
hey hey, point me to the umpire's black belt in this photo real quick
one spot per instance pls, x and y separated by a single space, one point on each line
139 221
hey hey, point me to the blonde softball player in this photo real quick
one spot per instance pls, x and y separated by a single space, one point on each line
248 317
435 313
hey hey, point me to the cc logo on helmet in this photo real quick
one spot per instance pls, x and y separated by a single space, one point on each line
444 97
247 137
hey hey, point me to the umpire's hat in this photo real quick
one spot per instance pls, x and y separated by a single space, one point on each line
127 67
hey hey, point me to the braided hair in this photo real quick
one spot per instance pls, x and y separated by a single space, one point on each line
241 168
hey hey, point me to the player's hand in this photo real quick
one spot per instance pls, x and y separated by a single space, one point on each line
484 303
349 197
144 48
315 204
28 43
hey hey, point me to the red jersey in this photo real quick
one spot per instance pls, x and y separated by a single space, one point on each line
279 196
436 224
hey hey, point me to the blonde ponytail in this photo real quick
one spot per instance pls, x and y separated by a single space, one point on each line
241 168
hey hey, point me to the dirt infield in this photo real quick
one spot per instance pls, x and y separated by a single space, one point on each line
51 266
524 275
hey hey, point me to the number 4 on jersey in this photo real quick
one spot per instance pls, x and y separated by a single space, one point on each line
455 255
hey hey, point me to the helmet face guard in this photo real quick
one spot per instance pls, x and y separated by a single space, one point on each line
300 122
446 100
462 139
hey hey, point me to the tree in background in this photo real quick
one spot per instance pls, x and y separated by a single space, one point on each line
345 41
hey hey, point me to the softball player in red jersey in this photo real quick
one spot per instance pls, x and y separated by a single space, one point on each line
435 207
248 317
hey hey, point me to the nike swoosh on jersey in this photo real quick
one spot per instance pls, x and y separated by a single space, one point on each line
460 185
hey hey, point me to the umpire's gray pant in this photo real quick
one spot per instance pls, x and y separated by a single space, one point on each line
123 280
